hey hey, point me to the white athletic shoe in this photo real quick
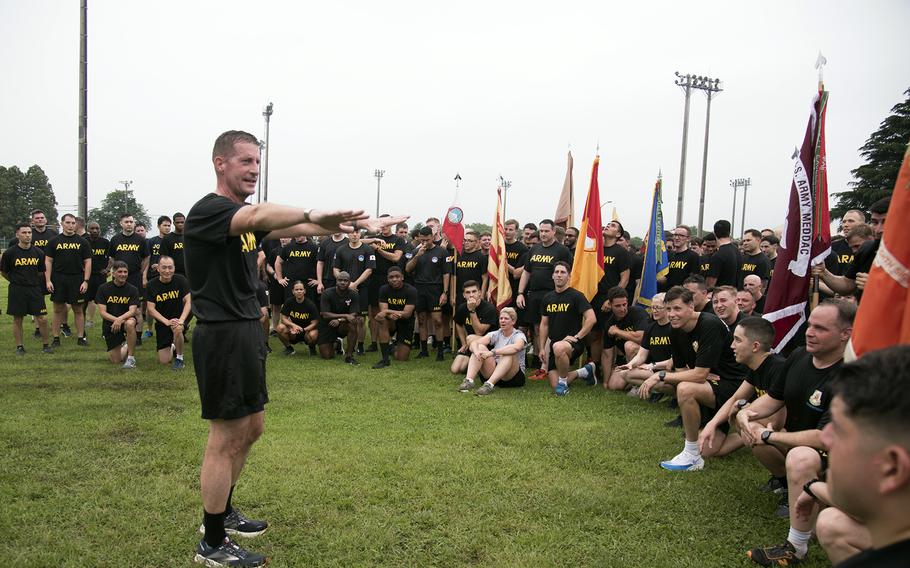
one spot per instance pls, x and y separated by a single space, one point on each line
684 462
130 363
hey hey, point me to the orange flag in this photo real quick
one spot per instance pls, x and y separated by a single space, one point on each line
883 318
499 290
588 268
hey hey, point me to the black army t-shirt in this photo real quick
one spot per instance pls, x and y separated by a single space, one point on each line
326 253
117 299
172 246
390 244
706 346
756 264
298 261
540 263
766 374
333 301
469 266
516 255
430 266
725 265
129 249
564 311
398 299
168 297
804 389
486 313
221 267
69 254
300 313
657 341
41 240
355 261
22 266
682 265
99 248
616 260
636 319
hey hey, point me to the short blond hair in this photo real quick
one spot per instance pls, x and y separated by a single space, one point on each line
513 315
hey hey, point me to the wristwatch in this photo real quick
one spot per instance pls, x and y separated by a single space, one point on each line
661 376
741 403
808 487
766 436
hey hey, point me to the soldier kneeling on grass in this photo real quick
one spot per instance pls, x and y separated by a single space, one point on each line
118 304
299 319
339 307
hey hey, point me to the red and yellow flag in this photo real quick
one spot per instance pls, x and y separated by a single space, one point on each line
588 268
883 318
499 291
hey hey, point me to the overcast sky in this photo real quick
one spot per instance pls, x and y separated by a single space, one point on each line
425 90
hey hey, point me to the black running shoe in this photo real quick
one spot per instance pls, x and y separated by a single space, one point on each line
373 348
774 485
440 355
47 349
382 364
288 351
783 506
20 350
37 333
65 330
351 361
422 355
780 555
268 348
359 351
675 423
227 554
273 333
237 525
82 342
55 342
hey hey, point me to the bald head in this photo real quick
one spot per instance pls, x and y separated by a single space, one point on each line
752 284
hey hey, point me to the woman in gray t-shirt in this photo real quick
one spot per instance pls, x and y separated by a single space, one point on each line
498 356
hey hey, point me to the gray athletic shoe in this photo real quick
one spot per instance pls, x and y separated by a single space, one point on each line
466 386
227 553
130 363
484 390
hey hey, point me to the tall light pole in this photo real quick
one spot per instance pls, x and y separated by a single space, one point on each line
742 223
710 87
505 185
82 183
267 113
689 82
378 175
259 179
736 184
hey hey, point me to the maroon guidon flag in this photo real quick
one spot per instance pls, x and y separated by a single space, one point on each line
806 239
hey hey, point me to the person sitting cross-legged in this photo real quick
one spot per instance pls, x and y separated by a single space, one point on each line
498 356
299 320
654 355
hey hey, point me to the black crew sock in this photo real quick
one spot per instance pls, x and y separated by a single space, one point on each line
214 527
440 344
423 345
45 345
384 349
360 346
228 509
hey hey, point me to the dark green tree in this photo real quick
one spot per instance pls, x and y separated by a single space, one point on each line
21 193
883 151
478 228
114 204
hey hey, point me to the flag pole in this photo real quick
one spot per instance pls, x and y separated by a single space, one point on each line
820 65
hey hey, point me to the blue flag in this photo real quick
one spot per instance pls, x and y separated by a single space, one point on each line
656 265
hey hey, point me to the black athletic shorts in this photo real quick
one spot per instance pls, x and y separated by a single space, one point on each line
403 330
114 340
517 380
276 293
229 359
136 280
577 349
363 300
66 289
596 302
329 334
374 287
298 338
722 390
94 282
428 297
164 337
25 301
533 299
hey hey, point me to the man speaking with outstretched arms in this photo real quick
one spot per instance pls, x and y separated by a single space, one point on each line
220 246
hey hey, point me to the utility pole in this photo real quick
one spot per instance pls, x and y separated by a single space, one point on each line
736 184
259 179
742 223
689 82
126 194
378 175
82 182
505 184
267 113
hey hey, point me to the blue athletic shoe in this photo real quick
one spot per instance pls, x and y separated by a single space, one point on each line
562 389
147 334
591 379
684 462
178 364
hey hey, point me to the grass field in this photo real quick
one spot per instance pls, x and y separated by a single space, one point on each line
99 467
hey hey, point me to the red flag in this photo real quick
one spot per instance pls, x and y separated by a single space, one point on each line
452 227
806 239
883 318
499 291
588 268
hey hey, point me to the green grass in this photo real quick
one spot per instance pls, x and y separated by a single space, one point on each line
99 467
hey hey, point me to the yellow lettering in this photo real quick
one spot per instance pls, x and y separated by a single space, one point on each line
26 262
300 316
397 301
557 308
659 341
100 252
749 267
542 258
118 300
467 264
609 259
248 242
127 248
68 246
164 296
679 264
178 246
301 254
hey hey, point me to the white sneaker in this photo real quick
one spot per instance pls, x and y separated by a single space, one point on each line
466 386
130 363
684 462
633 392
